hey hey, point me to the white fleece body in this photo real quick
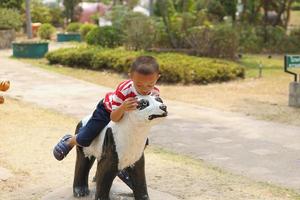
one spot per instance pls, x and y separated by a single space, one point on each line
130 139
130 134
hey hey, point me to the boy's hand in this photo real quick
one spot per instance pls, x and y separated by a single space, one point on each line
129 104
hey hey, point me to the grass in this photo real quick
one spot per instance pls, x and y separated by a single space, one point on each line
26 152
295 18
263 98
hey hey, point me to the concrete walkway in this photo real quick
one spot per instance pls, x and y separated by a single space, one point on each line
261 150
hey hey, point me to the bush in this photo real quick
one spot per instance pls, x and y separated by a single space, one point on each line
225 42
106 36
73 27
11 4
39 12
161 37
46 31
174 67
57 18
85 29
292 44
249 41
139 32
273 37
9 19
220 41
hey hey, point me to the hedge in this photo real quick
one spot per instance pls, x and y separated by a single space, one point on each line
174 67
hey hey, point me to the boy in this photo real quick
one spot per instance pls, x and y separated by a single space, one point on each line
144 74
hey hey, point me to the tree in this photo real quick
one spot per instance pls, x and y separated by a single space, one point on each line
229 7
282 8
252 12
165 9
40 12
13 4
28 20
70 9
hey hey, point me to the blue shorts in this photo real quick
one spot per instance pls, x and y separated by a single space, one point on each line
98 121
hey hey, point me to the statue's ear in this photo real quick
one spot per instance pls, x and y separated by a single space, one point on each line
142 103
159 99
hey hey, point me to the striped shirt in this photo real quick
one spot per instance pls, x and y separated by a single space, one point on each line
124 90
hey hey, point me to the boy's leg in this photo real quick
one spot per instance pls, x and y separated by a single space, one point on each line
86 134
94 126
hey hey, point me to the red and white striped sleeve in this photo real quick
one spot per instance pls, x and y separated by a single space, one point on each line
119 97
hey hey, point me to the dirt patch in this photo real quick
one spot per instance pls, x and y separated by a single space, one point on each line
28 134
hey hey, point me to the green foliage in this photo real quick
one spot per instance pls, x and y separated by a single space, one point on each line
57 18
46 31
161 37
185 5
225 42
106 36
229 7
249 41
216 10
70 11
9 19
11 4
174 67
73 27
139 32
291 43
273 38
219 41
117 17
164 8
296 5
39 12
85 29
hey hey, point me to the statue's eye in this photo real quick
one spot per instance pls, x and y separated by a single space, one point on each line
159 99
143 103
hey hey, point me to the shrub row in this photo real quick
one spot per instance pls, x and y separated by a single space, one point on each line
174 67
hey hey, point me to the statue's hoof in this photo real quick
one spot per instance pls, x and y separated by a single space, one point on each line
81 191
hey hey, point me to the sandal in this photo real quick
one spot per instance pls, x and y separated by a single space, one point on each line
62 149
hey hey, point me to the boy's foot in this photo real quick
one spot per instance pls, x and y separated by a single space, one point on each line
62 148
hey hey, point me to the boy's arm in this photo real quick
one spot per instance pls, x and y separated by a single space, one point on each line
128 105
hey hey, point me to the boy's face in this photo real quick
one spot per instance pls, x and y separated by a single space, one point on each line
144 83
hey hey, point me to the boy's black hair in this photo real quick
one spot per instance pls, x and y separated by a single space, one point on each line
145 65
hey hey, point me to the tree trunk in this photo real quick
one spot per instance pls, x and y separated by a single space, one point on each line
151 5
28 20
266 4
288 14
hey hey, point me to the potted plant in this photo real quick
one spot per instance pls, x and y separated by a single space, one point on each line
72 33
10 20
30 49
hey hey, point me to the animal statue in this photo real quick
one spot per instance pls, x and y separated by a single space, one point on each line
119 146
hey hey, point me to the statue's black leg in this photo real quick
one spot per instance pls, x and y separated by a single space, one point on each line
82 169
107 168
138 178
